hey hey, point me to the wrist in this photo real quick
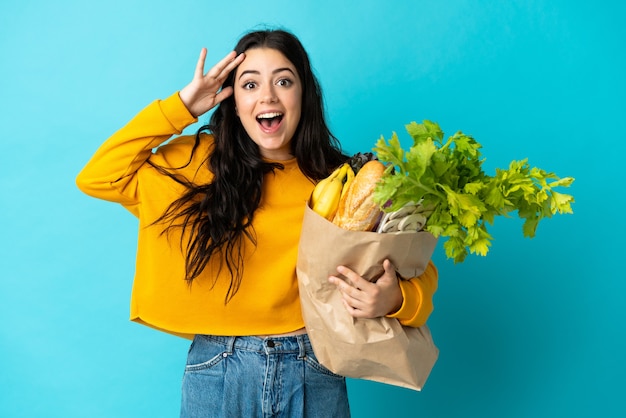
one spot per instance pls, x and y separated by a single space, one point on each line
398 297
186 97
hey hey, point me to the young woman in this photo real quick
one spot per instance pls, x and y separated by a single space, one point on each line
220 214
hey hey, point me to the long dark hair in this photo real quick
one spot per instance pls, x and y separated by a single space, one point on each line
217 217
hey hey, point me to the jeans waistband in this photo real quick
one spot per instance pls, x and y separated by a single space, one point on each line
292 344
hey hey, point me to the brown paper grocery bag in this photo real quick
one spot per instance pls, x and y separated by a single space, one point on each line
377 349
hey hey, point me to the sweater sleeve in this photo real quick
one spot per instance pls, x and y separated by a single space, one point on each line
417 296
110 174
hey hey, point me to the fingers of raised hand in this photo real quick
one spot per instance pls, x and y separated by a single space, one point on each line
220 71
200 64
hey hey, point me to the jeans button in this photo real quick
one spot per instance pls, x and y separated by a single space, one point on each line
270 344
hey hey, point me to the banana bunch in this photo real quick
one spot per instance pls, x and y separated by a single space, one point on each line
327 192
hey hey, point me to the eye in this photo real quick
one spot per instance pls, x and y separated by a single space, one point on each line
284 82
249 85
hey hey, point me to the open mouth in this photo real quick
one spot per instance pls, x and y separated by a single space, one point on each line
269 121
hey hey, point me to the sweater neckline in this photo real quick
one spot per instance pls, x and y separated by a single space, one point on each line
287 163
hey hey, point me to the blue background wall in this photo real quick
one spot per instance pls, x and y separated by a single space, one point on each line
535 329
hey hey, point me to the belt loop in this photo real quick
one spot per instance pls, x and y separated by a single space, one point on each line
301 346
230 345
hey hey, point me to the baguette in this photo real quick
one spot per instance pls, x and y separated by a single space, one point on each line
357 210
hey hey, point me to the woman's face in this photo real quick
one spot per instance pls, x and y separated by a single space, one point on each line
268 99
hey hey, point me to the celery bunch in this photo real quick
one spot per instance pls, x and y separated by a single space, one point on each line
447 178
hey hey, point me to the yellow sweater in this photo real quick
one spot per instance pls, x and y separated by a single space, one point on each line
267 301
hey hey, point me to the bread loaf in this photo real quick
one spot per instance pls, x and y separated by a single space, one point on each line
357 210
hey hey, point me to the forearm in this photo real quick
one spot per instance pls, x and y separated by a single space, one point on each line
110 174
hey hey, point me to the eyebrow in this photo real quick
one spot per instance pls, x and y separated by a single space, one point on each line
276 71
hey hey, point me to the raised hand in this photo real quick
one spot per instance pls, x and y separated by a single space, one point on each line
205 90
364 299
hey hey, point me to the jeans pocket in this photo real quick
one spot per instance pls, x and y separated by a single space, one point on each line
204 354
314 364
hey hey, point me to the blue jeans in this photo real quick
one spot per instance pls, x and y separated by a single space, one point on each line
247 377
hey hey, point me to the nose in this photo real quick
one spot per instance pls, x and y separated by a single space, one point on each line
268 95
